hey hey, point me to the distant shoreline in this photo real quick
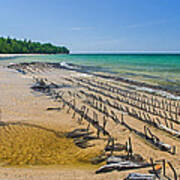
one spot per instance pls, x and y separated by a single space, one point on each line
19 55
13 46
127 52
14 55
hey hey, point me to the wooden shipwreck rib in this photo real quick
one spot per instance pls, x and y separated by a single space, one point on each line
136 114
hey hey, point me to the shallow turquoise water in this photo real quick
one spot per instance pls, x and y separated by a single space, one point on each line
161 68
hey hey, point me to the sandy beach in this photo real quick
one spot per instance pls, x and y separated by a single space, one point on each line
16 55
35 123
89 90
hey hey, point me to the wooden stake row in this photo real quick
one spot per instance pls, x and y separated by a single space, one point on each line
92 100
163 104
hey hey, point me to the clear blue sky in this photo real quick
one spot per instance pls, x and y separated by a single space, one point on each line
95 25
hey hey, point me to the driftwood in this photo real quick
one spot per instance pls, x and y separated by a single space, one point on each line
124 165
52 109
81 137
158 171
170 130
82 143
116 159
134 158
152 139
156 141
116 147
98 159
138 176
43 86
174 171
78 133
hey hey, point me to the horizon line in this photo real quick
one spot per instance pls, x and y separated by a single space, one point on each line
125 52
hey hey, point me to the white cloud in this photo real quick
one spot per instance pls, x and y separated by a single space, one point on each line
81 28
76 28
131 26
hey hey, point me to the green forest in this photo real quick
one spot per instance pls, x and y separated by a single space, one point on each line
13 46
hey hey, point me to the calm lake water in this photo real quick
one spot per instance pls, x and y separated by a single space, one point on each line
163 69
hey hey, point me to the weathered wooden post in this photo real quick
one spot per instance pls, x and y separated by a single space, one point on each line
115 118
100 99
140 115
73 104
112 150
174 171
152 100
153 167
166 122
88 127
176 113
130 150
106 111
116 105
163 104
93 101
64 105
174 150
86 113
100 106
104 124
160 114
166 116
122 118
82 111
149 118
144 116
157 119
171 124
170 107
164 167
141 107
69 92
96 122
74 114
107 102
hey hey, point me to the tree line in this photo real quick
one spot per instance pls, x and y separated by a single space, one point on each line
14 46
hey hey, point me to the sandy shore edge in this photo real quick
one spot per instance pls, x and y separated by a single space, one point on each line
18 55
